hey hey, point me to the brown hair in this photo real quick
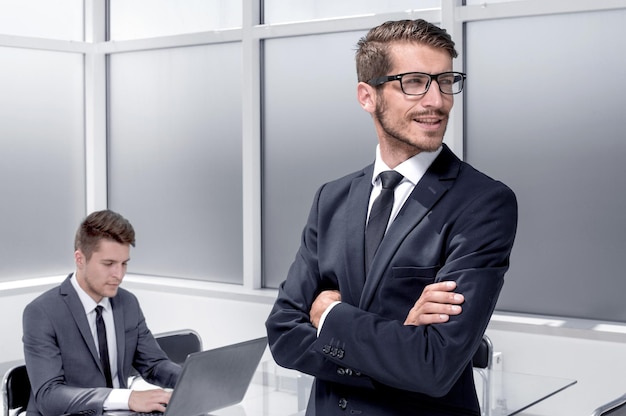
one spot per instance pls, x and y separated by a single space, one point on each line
100 225
372 55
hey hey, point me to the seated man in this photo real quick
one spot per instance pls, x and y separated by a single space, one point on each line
82 338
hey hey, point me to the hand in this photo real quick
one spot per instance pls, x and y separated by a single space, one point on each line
153 400
321 302
435 305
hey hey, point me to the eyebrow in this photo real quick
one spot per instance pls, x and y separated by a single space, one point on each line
115 261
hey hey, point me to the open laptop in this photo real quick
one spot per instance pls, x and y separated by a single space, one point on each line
212 379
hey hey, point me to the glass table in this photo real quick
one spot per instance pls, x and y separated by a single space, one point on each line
276 391
507 393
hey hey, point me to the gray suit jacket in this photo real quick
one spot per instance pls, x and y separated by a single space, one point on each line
62 359
457 224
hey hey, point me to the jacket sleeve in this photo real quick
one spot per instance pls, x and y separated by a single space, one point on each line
291 336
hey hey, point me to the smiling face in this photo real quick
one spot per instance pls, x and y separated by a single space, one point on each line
101 274
407 125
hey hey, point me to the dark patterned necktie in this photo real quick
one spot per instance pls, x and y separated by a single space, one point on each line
379 214
102 346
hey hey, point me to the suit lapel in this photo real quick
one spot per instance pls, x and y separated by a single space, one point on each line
433 185
354 254
78 313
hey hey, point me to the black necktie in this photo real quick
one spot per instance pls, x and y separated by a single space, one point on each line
102 346
379 214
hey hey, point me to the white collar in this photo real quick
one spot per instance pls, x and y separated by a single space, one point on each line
88 303
412 169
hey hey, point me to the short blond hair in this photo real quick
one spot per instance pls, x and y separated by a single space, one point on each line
372 55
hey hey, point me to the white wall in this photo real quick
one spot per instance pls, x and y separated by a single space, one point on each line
224 314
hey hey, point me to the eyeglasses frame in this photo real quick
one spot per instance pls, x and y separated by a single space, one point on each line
376 82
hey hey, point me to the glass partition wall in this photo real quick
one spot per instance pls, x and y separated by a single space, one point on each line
211 124
42 166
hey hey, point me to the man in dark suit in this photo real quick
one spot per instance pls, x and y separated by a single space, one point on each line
62 347
395 335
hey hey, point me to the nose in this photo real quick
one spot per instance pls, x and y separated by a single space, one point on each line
433 98
118 271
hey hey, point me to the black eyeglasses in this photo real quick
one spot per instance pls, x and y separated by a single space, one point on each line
418 83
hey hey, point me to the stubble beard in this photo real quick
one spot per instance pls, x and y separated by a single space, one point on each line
429 142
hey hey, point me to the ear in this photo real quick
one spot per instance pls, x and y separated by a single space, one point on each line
366 94
79 259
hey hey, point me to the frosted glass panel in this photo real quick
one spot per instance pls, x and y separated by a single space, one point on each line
280 11
58 19
41 161
315 131
175 159
132 19
545 110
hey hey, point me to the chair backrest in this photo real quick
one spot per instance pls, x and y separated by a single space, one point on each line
482 362
15 389
484 354
179 344
615 407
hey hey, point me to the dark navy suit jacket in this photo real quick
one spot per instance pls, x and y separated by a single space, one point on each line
457 224
62 359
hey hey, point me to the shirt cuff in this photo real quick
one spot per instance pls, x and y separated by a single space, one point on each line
117 400
324 314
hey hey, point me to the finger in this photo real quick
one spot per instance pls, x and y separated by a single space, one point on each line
426 319
434 318
453 309
433 308
456 298
446 286
437 289
438 297
165 398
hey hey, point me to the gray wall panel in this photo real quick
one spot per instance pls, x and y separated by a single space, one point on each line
545 107
42 166
175 165
315 131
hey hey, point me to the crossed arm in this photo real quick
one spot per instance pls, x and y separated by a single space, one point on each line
435 305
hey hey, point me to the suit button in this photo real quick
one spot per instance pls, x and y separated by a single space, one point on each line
333 351
326 349
348 371
343 403
340 353
341 371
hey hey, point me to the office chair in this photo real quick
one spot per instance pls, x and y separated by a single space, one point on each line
615 407
179 344
484 354
482 363
15 390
